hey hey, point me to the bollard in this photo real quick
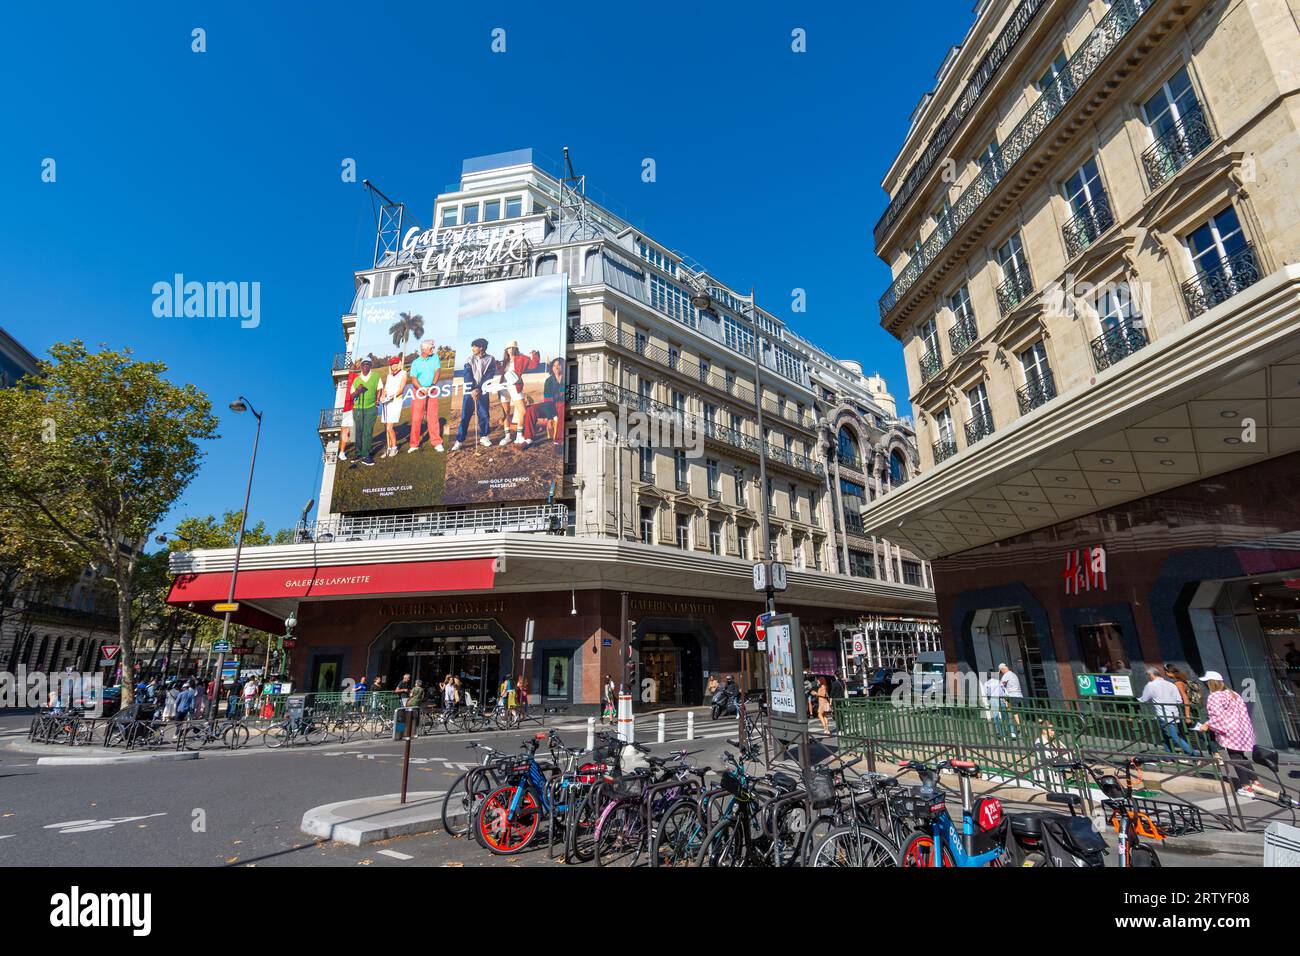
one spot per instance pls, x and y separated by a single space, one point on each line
662 727
591 733
626 725
690 725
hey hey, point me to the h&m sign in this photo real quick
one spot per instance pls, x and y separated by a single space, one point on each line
1085 570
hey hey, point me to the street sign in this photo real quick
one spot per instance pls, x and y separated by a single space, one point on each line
740 645
110 651
741 628
606 642
223 606
1104 685
859 645
760 634
221 647
769 572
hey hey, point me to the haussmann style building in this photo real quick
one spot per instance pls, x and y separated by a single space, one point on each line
1093 232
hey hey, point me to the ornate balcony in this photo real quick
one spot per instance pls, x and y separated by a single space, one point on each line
1094 50
1085 228
1039 390
978 427
849 461
1117 343
1176 148
1014 291
931 364
962 336
1229 277
943 449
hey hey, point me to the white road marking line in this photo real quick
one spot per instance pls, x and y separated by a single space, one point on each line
395 855
7 836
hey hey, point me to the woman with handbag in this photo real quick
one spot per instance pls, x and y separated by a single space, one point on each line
1229 721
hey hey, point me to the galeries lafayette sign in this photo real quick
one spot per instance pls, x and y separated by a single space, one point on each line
407 577
465 254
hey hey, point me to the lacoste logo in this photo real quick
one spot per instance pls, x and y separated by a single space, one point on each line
75 909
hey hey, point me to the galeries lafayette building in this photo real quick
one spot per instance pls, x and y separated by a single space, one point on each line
466 606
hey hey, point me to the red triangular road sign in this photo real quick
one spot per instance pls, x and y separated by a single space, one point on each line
741 628
110 651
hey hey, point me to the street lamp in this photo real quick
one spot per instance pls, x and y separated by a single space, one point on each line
239 405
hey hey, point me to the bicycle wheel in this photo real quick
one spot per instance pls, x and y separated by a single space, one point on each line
235 737
918 850
726 845
622 835
276 736
461 799
680 833
856 847
502 832
194 736
580 833
314 732
791 832
1143 856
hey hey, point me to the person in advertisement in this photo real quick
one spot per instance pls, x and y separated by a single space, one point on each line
426 371
391 399
365 400
513 366
346 422
550 408
480 369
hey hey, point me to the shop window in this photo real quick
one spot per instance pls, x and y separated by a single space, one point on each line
1102 646
557 673
912 573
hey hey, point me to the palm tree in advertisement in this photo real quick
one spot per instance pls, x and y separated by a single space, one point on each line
406 327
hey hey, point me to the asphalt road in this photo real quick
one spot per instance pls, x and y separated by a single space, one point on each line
244 808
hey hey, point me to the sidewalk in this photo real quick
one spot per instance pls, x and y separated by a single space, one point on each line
56 755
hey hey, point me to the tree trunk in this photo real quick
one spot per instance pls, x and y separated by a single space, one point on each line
127 649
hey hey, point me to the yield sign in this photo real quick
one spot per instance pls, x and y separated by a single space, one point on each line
110 651
741 628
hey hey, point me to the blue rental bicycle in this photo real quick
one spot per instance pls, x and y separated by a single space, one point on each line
508 817
981 841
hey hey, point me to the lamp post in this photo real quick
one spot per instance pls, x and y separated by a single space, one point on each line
239 405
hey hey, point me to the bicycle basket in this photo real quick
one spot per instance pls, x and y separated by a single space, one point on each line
820 788
1174 819
912 804
732 784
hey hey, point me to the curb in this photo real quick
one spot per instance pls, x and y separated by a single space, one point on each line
372 819
117 758
1238 844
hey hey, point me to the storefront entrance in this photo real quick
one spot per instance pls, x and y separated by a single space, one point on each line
1008 636
671 663
480 653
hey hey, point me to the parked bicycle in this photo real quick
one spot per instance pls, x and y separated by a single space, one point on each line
981 839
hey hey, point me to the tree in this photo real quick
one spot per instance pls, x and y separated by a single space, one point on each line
406 327
94 451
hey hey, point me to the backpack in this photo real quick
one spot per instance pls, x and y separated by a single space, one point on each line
1195 695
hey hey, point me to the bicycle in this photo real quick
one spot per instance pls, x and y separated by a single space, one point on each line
463 796
508 817
606 767
981 841
293 729
627 824
197 734
763 822
1123 813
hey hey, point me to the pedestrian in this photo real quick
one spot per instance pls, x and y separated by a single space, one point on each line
448 694
1176 677
185 702
416 697
712 687
824 705
169 705
523 695
1229 721
250 696
403 689
993 694
201 699
359 696
609 711
1168 707
1010 691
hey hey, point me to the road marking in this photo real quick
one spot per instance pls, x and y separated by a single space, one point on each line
85 826
395 855
7 836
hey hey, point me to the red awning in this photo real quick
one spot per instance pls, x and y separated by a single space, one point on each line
410 577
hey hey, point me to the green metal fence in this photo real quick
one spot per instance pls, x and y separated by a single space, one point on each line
329 702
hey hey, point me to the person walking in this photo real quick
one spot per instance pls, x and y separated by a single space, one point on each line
1169 706
416 697
1229 720
712 686
403 689
201 698
250 696
169 704
994 695
185 702
426 371
522 695
824 705
1176 677
1010 691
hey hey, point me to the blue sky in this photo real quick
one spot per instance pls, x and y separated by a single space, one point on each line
225 166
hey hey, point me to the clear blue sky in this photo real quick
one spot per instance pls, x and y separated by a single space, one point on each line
224 166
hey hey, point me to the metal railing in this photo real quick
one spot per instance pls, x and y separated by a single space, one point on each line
1094 50
342 362
1015 290
962 336
1039 390
943 450
607 393
552 518
1117 343
851 461
981 426
1229 277
1176 147
931 364
607 333
1087 226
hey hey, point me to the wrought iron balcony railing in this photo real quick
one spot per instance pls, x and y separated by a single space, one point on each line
1014 291
931 364
981 426
607 393
720 382
1040 389
1094 50
1088 226
850 461
943 449
1176 148
1229 277
647 476
342 360
1117 343
962 336
683 484
531 518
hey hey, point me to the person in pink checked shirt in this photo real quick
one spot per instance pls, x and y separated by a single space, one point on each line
1228 719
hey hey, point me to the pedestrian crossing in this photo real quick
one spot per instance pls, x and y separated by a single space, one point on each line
675 726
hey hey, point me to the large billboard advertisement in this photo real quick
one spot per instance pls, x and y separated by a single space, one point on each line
456 396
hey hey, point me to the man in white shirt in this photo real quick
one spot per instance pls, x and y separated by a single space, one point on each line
993 694
1169 703
1010 688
